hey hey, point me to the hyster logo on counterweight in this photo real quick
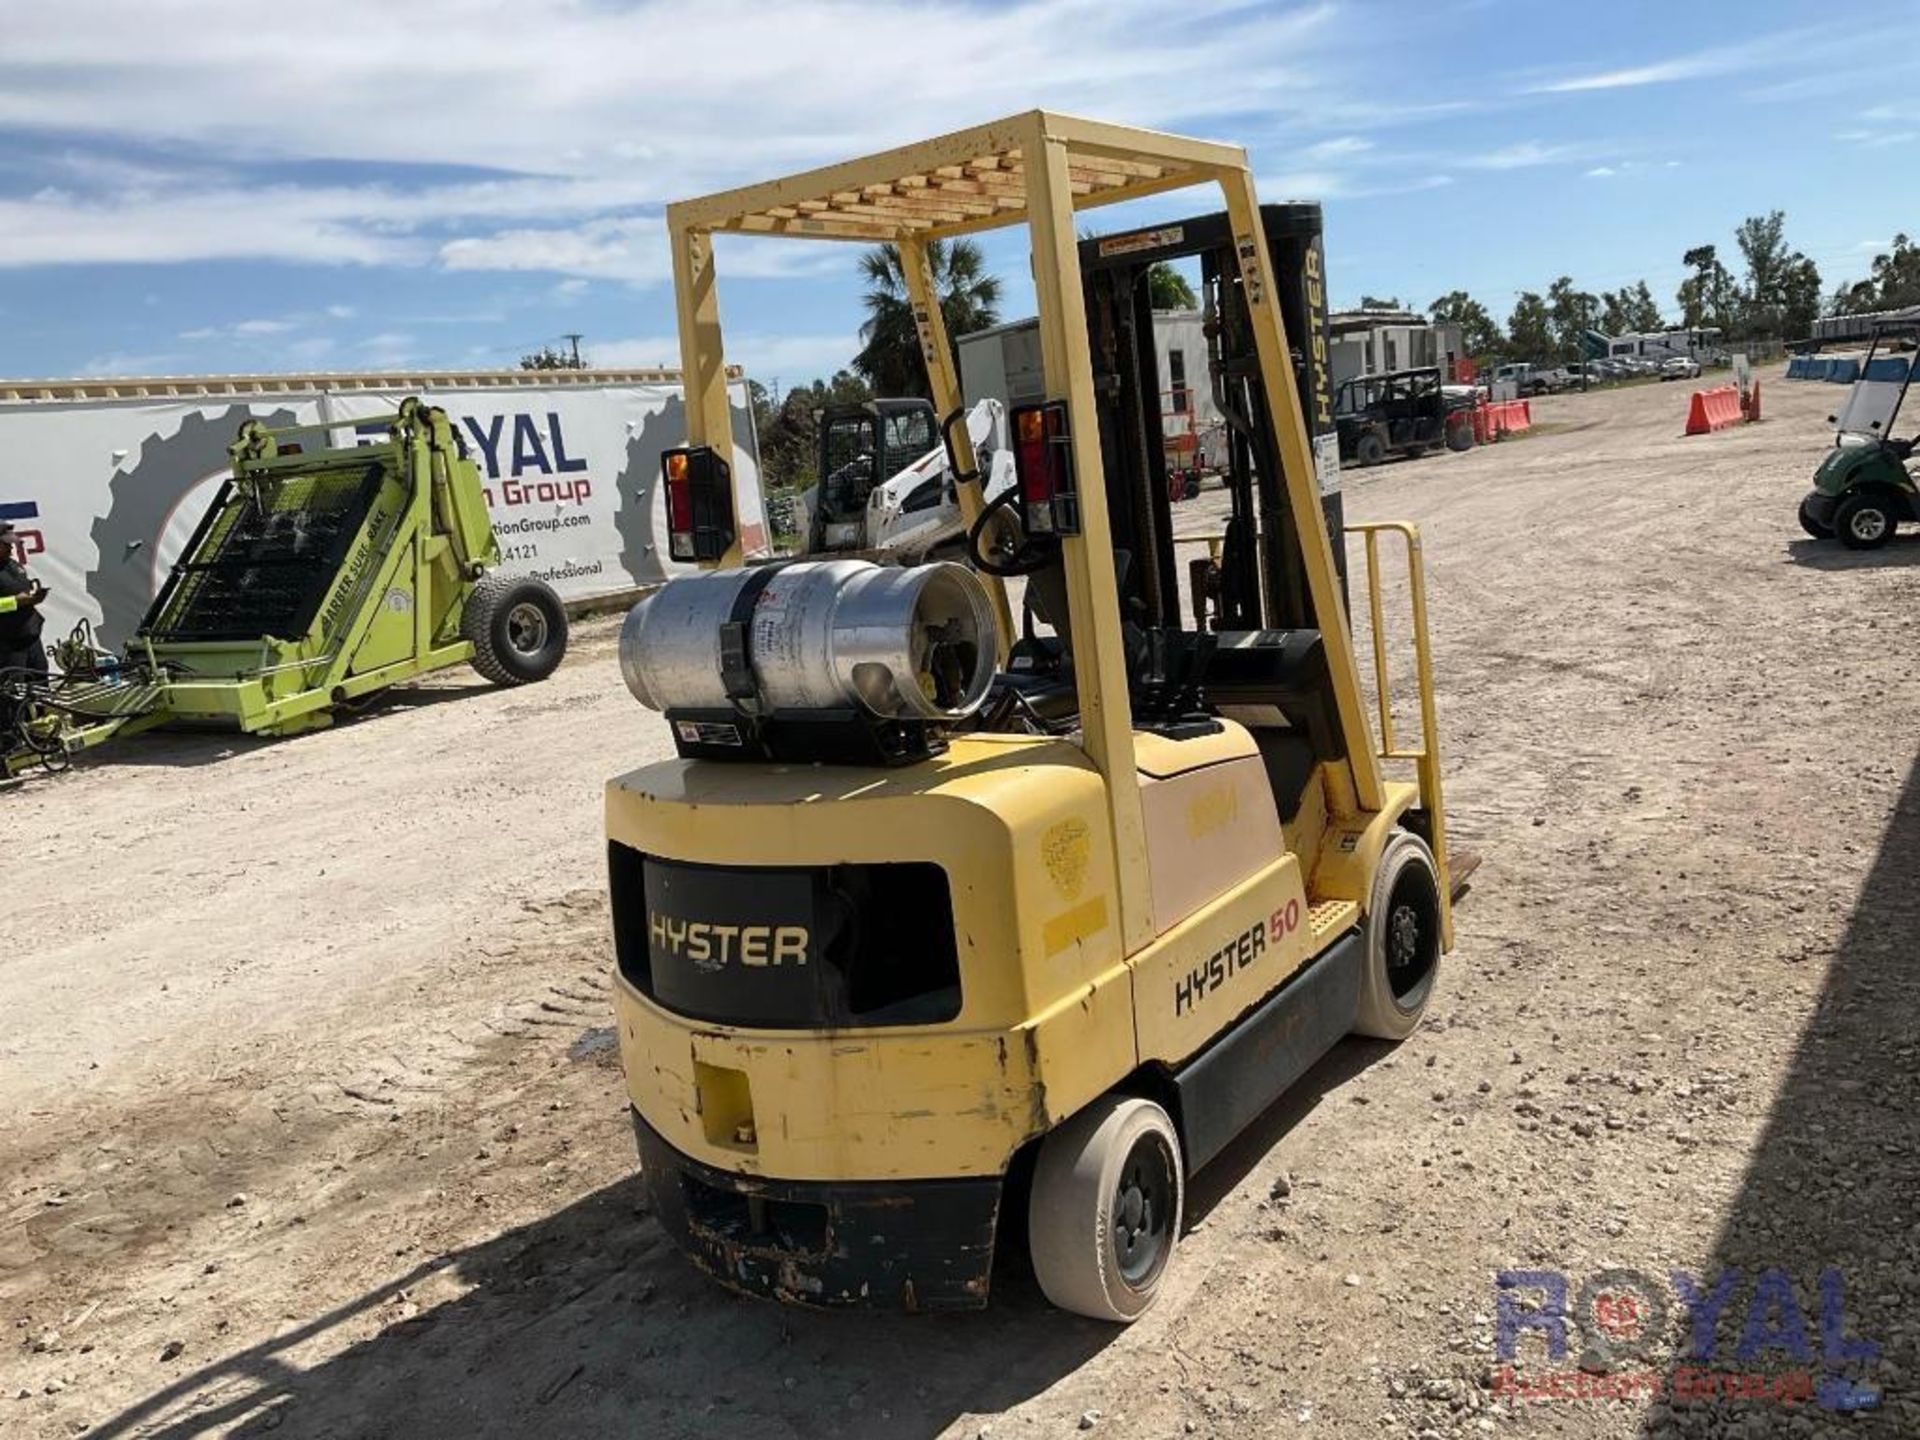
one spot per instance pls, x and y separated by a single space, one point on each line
712 947
1233 957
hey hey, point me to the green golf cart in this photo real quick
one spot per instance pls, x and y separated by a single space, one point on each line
1863 489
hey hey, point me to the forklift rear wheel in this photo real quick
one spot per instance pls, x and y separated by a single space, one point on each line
518 629
1403 940
1370 450
1104 1215
1864 522
1812 526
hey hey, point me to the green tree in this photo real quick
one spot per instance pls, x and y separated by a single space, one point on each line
787 439
889 359
549 357
1374 302
1480 335
1799 297
1643 311
1893 283
1629 310
1782 292
1707 296
1530 329
1169 289
1570 312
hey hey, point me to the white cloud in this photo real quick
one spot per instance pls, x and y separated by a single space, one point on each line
556 94
1300 185
1520 156
789 358
1875 139
1601 172
121 363
1781 48
1338 146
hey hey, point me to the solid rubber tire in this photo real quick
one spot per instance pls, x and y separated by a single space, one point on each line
1069 1217
1405 861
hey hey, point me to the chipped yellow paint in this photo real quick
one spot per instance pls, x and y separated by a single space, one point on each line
1065 851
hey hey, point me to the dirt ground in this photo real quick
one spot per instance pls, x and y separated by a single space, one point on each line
310 1119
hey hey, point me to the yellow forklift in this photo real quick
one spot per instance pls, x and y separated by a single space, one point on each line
942 928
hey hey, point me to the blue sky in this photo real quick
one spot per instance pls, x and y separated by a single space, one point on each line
221 186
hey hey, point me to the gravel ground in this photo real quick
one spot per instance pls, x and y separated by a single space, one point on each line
310 1120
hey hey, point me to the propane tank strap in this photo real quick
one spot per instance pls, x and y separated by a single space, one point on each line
736 666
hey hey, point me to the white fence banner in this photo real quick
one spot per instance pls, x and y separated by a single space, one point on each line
106 491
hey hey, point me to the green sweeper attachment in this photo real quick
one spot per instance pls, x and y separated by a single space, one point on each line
316 578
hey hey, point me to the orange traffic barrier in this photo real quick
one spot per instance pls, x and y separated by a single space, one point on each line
1713 409
1496 419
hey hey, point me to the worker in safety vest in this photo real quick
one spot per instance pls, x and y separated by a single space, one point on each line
20 620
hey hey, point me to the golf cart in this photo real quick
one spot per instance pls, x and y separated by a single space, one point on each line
1863 489
1398 412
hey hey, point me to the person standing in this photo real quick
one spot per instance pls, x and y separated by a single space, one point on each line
20 618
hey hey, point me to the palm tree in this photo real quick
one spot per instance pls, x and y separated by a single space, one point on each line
889 359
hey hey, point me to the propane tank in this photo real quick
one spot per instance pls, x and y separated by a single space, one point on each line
901 644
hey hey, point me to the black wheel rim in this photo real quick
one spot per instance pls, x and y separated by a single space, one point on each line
1412 935
527 628
1143 1210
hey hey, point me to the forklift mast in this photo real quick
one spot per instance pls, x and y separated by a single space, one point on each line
1260 582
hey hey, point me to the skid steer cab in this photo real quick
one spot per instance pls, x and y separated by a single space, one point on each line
942 929
887 490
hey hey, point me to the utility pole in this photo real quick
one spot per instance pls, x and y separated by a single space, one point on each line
575 338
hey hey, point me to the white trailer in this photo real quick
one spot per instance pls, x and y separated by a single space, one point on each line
106 479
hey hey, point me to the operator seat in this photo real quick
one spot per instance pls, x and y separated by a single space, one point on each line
1277 683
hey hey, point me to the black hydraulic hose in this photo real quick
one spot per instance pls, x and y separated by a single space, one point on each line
1029 556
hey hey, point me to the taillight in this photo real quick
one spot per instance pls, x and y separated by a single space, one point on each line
699 503
1043 464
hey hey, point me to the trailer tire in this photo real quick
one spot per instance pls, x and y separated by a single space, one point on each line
1460 434
1104 1214
1402 956
518 628
1865 521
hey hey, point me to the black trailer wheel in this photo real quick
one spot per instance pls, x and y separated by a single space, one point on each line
1104 1215
1459 432
518 629
1812 526
1370 450
1864 521
1403 940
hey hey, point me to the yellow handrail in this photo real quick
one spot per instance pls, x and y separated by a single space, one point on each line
1426 756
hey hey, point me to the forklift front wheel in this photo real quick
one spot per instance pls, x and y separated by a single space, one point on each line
1403 940
518 629
1104 1215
